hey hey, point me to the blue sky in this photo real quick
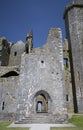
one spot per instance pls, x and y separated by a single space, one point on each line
17 17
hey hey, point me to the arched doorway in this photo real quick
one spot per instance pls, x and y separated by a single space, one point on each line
41 102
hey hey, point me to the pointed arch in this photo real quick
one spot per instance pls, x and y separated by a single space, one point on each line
43 93
42 101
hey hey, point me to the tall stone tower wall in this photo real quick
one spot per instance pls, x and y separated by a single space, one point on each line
73 16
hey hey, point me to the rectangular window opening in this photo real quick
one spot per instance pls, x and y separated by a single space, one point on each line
15 53
66 62
67 98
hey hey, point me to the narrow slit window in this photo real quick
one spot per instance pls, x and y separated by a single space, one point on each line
0 62
78 75
67 98
15 53
3 105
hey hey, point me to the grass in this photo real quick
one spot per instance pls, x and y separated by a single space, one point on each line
3 126
76 120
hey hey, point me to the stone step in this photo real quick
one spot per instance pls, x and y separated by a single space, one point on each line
41 118
34 119
37 116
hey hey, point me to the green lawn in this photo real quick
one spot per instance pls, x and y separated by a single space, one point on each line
3 126
76 120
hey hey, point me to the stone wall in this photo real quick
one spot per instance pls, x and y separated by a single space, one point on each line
43 73
8 92
5 47
67 77
15 53
74 27
8 97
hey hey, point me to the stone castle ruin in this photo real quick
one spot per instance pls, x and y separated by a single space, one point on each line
35 86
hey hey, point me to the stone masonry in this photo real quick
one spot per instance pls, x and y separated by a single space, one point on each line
41 75
40 85
34 78
73 16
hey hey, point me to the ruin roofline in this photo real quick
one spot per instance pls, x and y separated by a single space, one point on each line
71 5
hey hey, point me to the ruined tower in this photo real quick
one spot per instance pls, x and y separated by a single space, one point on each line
29 42
73 17
41 84
5 47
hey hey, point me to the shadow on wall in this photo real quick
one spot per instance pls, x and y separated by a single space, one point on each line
9 74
